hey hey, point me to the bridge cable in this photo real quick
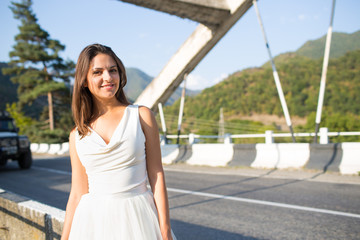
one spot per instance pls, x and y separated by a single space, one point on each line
323 74
181 110
276 75
162 119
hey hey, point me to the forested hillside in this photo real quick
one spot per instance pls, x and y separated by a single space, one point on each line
253 91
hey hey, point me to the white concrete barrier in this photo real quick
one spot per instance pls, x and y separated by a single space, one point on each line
43 148
169 153
267 156
54 148
64 148
350 163
214 155
293 155
34 147
281 155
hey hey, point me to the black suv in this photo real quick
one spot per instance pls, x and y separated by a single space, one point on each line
13 146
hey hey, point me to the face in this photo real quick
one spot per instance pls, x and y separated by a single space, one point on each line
103 78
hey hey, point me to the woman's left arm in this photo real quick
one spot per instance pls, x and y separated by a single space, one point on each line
155 169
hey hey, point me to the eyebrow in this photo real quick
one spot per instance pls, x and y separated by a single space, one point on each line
99 68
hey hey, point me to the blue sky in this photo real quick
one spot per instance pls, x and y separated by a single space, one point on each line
146 39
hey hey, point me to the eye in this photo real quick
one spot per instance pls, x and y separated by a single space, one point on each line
113 70
96 72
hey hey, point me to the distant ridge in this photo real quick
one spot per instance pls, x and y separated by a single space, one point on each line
138 80
341 43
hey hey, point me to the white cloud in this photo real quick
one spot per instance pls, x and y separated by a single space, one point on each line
220 78
142 35
198 82
195 82
301 17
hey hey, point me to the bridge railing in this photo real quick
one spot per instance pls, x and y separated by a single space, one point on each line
269 136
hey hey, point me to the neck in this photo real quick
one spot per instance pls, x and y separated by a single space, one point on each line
104 106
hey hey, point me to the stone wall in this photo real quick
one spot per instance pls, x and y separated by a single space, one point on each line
22 218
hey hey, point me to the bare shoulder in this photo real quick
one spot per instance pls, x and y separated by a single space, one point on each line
72 135
145 112
146 115
147 118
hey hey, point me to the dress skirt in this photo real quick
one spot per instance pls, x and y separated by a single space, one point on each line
116 216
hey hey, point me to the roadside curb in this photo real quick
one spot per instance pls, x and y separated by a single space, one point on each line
23 218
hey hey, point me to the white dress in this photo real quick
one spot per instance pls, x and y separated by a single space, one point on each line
119 205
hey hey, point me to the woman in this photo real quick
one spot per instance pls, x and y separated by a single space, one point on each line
114 150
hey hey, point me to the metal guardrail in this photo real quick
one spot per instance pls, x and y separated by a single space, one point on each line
268 135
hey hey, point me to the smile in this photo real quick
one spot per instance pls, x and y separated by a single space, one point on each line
108 85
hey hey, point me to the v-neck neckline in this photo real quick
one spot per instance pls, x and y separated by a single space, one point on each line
121 120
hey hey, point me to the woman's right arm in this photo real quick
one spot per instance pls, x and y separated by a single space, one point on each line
79 186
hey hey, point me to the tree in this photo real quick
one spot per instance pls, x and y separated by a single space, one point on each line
35 63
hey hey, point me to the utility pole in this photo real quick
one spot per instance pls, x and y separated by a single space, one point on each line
221 133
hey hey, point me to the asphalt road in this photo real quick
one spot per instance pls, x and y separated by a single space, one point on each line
226 203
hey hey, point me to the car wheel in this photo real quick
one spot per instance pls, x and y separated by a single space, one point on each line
25 160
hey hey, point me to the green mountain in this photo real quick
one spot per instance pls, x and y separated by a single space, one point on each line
341 43
252 92
138 80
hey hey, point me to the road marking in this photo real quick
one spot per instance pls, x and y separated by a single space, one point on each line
210 172
52 170
267 203
238 199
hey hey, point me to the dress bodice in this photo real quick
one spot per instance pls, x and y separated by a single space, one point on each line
120 165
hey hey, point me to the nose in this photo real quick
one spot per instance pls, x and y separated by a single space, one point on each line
106 75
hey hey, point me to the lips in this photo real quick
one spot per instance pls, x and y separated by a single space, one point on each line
107 86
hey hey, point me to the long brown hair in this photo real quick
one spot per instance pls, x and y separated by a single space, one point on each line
82 100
